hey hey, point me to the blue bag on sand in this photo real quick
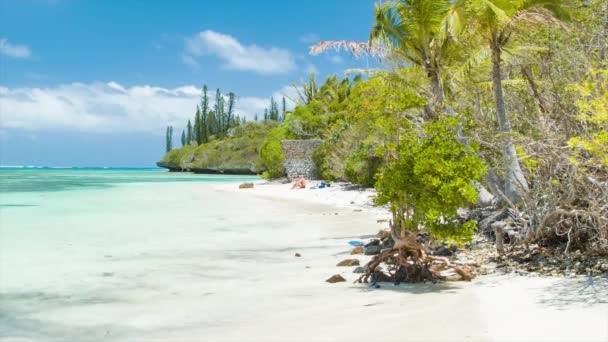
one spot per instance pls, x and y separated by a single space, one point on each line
355 243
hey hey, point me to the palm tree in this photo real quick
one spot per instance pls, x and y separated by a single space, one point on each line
306 92
496 22
411 32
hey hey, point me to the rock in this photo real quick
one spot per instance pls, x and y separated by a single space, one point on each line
357 250
349 262
442 251
336 278
107 274
298 255
374 242
388 242
604 267
360 269
383 234
372 250
246 186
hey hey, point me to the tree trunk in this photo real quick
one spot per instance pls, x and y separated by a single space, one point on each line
515 181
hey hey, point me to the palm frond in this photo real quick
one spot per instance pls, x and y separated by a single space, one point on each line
357 49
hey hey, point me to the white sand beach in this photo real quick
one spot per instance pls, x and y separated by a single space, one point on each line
209 262
298 306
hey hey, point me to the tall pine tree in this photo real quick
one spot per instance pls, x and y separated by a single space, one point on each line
183 138
169 139
284 109
230 112
196 130
189 132
204 129
219 113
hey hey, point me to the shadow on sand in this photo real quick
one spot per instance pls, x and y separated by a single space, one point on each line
581 291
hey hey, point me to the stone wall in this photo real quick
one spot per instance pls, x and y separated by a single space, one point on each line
298 158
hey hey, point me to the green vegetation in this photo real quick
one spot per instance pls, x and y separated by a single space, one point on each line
238 153
510 94
169 139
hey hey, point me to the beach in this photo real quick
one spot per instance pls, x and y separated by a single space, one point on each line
197 261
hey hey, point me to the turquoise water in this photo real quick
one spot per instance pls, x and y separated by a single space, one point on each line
84 239
62 179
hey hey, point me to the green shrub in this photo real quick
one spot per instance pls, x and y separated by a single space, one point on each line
431 178
271 153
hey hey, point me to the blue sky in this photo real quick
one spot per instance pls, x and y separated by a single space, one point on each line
94 82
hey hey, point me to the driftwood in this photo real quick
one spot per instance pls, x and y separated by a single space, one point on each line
408 261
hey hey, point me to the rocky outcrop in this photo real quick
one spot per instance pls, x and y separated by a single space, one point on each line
170 167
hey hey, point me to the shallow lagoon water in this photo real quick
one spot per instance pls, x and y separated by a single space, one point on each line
96 255
75 240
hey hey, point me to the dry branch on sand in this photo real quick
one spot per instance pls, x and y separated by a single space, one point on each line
408 261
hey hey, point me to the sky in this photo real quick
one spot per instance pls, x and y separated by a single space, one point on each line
95 83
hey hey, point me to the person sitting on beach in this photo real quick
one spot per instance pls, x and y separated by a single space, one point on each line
300 183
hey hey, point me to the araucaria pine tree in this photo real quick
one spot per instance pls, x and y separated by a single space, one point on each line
196 132
189 132
183 138
284 110
169 139
204 129
230 112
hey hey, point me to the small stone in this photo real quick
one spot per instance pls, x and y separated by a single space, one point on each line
336 278
357 250
298 255
360 269
107 274
374 242
358 210
349 262
443 251
373 250
604 267
246 186
352 202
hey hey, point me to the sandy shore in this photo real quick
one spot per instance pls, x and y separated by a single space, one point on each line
294 303
209 262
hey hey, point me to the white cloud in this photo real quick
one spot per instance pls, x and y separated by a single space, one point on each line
108 107
237 56
15 51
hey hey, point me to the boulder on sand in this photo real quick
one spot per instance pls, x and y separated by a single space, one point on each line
246 186
357 250
373 250
336 278
349 262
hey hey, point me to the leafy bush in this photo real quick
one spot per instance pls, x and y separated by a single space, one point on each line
430 178
592 147
271 153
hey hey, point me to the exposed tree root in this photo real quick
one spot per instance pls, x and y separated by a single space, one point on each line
409 262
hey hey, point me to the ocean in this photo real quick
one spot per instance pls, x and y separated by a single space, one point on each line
148 255
78 245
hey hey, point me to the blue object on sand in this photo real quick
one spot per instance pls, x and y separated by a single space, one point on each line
355 243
